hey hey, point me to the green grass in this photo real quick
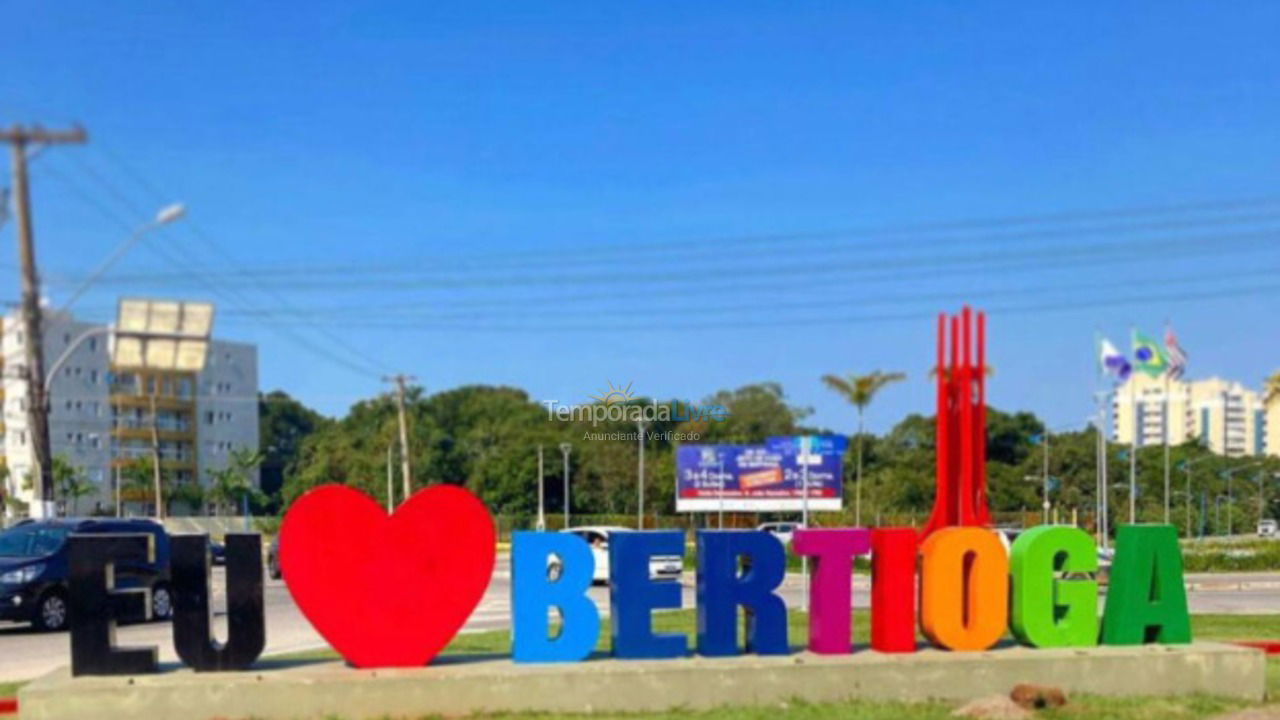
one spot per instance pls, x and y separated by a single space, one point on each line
1204 627
9 689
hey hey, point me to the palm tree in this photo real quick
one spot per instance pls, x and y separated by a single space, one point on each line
859 390
232 484
71 483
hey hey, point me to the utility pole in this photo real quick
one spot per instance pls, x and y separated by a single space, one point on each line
19 138
400 381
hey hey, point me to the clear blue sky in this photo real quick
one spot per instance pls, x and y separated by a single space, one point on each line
560 195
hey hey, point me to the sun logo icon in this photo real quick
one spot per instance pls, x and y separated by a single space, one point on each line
614 395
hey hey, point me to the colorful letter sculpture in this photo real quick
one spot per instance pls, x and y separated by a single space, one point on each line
192 616
387 591
95 604
1046 611
830 596
960 428
534 594
633 595
1147 600
893 589
721 590
964 588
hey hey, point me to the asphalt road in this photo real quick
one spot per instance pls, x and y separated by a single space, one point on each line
26 654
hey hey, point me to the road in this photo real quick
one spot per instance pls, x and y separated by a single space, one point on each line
25 654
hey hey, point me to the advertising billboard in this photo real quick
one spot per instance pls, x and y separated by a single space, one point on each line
759 478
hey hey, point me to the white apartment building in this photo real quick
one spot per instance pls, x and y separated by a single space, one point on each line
100 420
1224 416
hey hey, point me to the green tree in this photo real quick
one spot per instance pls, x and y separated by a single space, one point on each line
283 425
232 484
859 391
70 483
136 482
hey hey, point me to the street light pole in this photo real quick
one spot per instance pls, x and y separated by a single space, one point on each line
565 448
166 215
1045 504
640 506
542 517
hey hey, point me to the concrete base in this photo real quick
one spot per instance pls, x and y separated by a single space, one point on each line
460 685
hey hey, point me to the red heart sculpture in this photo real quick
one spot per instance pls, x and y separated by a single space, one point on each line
387 591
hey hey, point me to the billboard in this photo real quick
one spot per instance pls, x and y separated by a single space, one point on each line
759 478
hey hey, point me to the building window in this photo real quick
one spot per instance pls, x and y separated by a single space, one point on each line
93 376
93 344
208 417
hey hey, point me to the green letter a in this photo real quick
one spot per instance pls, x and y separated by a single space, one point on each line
1146 601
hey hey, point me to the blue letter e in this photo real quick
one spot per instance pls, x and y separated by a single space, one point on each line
533 593
633 595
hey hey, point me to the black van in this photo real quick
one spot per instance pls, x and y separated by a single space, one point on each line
34 569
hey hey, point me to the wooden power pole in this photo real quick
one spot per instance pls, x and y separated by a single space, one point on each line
19 139
400 381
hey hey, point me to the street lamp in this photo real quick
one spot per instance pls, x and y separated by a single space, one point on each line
167 214
565 449
640 474
1186 468
1229 474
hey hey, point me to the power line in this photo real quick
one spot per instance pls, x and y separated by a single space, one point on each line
373 367
230 297
830 319
453 277
217 248
828 300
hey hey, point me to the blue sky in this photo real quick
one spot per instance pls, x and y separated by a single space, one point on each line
562 195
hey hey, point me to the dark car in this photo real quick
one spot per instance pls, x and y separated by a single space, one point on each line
34 569
217 553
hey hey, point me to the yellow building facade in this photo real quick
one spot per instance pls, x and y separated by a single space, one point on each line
1224 416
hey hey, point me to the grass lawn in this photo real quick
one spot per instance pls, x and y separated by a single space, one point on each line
1205 627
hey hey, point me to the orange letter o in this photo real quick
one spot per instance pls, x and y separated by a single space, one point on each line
964 588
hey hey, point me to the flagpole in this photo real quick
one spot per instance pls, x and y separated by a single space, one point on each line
1133 452
1165 432
1106 489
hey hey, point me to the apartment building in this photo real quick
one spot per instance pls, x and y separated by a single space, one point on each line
1223 415
101 418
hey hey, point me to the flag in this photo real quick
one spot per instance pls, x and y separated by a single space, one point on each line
1177 356
1147 356
1112 362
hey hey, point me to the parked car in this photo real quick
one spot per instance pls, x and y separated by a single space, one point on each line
661 567
217 552
1268 528
273 559
34 569
782 530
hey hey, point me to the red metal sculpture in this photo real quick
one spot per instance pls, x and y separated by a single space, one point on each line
960 430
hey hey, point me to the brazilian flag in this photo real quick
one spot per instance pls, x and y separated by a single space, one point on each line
1148 356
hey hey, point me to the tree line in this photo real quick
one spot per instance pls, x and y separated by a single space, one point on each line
486 438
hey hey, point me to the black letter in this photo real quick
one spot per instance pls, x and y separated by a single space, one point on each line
95 603
246 630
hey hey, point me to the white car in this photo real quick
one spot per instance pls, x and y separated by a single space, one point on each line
661 567
781 530
1268 528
